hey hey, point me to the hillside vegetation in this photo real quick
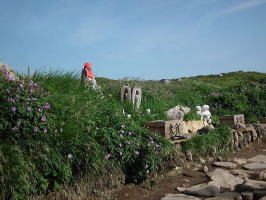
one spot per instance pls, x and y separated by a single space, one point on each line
53 130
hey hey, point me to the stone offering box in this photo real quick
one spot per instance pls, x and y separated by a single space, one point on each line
166 129
232 120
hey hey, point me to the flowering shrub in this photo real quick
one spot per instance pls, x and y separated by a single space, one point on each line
139 153
30 157
24 111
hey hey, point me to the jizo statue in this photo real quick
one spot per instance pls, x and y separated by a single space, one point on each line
136 97
87 76
126 93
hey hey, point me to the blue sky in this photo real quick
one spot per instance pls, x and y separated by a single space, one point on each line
148 39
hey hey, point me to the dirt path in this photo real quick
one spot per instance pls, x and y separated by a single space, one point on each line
167 184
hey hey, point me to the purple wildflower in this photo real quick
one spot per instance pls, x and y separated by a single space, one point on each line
29 109
21 85
129 133
107 156
33 99
147 171
47 106
11 100
32 90
120 144
121 131
35 129
43 118
120 153
14 129
45 131
123 126
31 83
69 156
157 145
149 145
14 109
136 153
128 142
10 78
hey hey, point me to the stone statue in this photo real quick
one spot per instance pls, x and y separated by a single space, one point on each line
204 113
136 97
87 77
198 109
125 93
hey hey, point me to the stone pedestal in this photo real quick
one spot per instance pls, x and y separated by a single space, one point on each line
166 129
232 120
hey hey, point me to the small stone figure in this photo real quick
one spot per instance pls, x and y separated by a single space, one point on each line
204 113
125 94
198 108
87 76
136 97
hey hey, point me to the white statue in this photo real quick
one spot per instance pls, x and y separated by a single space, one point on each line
204 113
198 109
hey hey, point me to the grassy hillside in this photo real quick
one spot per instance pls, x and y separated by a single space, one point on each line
53 130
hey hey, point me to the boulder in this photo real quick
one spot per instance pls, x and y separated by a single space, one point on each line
165 81
177 112
179 197
224 179
7 72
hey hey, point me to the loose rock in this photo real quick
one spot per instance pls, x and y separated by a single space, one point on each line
240 161
242 173
179 197
224 179
210 189
254 166
228 165
258 158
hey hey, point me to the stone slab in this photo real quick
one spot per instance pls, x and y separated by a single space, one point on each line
179 197
258 158
255 166
228 165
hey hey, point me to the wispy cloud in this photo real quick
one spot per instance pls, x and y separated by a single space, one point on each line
243 6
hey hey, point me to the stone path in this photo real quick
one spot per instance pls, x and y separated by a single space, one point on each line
234 180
